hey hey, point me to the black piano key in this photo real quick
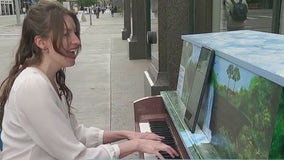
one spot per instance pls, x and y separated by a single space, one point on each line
161 128
168 139
167 156
162 131
169 142
158 122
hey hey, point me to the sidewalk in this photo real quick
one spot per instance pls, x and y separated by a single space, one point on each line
104 81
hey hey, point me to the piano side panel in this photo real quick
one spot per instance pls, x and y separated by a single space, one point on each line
240 119
148 108
149 105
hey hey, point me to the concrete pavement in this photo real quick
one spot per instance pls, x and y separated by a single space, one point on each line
104 81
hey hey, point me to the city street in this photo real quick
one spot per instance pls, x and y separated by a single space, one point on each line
259 19
104 81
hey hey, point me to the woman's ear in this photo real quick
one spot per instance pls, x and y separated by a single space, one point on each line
41 42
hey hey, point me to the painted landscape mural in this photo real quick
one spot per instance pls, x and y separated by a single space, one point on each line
244 112
277 147
242 115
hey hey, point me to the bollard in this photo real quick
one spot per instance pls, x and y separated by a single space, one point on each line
90 12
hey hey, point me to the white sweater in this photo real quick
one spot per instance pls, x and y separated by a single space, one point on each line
36 125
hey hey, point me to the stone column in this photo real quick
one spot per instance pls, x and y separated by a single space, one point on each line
138 46
175 18
127 25
277 17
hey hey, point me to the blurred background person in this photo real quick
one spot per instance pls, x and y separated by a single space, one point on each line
235 13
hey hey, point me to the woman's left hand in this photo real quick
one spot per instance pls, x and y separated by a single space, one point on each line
146 135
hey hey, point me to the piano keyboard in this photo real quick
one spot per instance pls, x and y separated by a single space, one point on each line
160 128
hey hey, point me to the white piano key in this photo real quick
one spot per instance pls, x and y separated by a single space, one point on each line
144 127
150 156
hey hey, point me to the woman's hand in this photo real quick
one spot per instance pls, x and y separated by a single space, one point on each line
145 143
146 135
153 147
112 136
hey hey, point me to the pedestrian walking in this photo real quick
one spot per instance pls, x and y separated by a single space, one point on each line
112 11
97 11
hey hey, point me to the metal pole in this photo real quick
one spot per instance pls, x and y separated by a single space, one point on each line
90 12
17 11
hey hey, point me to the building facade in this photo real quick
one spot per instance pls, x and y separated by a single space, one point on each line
7 7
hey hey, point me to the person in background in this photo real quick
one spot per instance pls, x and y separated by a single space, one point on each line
36 114
112 11
235 19
103 9
115 9
97 11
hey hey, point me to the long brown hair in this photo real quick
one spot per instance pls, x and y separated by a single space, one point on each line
44 19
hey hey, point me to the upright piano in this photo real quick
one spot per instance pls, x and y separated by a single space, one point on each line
241 109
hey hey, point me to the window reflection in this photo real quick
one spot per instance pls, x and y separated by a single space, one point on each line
259 16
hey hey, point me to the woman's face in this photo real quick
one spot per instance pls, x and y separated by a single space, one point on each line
71 43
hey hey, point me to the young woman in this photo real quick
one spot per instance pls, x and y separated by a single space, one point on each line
36 113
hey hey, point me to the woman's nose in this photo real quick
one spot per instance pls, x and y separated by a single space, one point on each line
75 40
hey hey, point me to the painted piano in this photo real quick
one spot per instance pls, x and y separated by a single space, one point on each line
239 110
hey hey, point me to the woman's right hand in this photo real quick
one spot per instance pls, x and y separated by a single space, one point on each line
153 147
